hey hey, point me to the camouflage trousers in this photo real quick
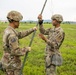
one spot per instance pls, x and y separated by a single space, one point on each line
12 65
50 68
10 72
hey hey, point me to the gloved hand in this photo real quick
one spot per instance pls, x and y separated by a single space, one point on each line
28 49
34 28
40 19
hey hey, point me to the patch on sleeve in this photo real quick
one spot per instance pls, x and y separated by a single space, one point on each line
13 40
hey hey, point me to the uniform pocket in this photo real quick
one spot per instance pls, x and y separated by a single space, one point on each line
48 61
56 59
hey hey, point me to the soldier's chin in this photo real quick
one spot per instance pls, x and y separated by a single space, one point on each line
17 27
53 24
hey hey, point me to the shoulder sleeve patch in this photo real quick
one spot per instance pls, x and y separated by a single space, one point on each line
13 39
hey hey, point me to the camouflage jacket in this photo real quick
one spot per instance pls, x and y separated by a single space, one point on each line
12 51
55 39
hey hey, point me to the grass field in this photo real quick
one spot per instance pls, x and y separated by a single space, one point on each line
35 62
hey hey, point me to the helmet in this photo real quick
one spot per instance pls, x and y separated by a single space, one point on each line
57 17
14 15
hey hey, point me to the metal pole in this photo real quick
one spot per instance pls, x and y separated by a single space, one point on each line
21 71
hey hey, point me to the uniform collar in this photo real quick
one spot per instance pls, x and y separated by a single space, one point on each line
55 29
13 29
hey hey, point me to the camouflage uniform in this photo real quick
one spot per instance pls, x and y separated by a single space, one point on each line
55 39
12 52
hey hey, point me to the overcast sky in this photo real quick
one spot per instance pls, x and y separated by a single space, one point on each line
31 8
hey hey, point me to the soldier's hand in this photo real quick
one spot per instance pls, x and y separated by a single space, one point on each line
34 28
26 49
40 17
40 20
29 49
42 37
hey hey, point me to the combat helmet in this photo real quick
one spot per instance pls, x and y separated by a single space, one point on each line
57 17
14 15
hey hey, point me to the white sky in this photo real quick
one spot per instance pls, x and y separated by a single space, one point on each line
31 8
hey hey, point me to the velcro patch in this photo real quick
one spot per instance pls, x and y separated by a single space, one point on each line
13 40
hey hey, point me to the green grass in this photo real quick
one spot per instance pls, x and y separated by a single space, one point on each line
35 64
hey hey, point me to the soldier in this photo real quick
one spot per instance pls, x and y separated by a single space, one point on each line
12 52
54 40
